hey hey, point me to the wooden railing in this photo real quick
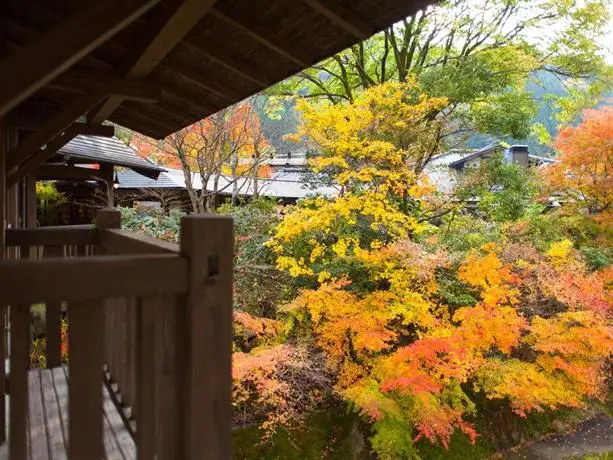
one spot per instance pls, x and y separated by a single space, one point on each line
155 316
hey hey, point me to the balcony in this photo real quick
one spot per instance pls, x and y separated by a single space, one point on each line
148 373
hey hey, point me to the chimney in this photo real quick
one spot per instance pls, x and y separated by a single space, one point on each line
519 155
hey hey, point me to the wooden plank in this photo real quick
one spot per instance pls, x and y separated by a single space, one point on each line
60 387
265 37
20 356
207 241
125 443
37 420
147 377
125 242
112 430
37 280
24 72
86 341
175 22
52 236
342 17
55 400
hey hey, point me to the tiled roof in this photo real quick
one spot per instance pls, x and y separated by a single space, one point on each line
280 185
93 149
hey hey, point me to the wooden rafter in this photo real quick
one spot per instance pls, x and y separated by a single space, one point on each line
39 158
66 173
50 129
196 76
266 38
147 117
173 27
225 58
342 17
35 124
190 99
24 72
127 89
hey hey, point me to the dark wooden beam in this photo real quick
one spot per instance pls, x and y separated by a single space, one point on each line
39 158
35 124
91 130
132 90
224 57
171 30
147 117
22 73
265 37
342 17
191 99
52 127
61 172
197 77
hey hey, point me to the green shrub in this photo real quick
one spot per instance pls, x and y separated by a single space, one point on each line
596 258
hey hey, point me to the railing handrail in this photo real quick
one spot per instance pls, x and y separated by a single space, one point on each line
118 241
75 235
91 278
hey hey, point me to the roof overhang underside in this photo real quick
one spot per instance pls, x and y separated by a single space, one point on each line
234 49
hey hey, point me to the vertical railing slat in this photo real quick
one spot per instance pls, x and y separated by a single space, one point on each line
86 345
19 365
146 377
3 353
207 242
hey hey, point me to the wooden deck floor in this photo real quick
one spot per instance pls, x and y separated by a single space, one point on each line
48 420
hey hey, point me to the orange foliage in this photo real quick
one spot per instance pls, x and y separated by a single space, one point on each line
586 162
480 344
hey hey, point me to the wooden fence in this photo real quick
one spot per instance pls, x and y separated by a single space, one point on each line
153 318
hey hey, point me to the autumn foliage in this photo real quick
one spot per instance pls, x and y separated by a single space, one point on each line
583 172
416 333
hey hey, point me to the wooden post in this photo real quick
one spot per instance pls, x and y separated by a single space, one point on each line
20 346
19 365
106 171
207 241
30 218
108 218
3 347
86 342
53 319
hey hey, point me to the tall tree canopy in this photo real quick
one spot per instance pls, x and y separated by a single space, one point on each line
479 56
229 143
